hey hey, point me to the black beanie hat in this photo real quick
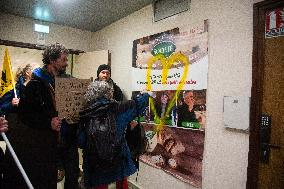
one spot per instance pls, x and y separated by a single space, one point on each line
103 67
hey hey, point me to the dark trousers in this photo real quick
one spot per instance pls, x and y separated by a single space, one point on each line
1 166
69 157
35 149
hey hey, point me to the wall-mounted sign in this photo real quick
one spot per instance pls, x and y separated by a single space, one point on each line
174 65
274 23
166 48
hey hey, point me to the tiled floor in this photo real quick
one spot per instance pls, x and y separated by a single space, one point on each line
60 185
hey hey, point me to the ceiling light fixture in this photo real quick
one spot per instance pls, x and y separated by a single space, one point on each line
41 28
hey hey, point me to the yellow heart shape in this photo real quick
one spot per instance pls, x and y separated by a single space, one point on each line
166 63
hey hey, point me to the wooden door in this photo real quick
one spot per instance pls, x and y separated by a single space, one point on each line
271 174
267 98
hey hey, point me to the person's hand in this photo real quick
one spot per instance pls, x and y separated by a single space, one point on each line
56 123
150 93
3 124
160 138
15 101
133 124
200 118
143 91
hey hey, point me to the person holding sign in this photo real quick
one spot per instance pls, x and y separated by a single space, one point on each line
103 74
38 111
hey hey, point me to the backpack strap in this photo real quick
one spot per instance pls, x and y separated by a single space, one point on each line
138 125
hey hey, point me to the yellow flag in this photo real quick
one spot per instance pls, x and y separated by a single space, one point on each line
7 79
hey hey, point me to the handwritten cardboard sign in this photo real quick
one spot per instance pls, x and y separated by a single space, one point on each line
69 97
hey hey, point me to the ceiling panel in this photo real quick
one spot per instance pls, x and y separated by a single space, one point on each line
89 15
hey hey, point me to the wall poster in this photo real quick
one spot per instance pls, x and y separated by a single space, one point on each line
174 65
274 23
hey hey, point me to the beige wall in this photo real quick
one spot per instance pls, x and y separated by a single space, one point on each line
15 28
86 64
230 65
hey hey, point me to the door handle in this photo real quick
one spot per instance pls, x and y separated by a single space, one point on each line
273 146
265 130
265 151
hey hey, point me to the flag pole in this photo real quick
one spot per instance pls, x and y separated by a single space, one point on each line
13 82
15 92
17 161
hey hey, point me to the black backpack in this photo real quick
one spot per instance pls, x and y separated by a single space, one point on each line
137 142
103 145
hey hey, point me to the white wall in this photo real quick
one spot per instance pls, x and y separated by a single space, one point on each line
230 52
230 66
20 29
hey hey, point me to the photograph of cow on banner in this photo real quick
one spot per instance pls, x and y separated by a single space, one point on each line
174 66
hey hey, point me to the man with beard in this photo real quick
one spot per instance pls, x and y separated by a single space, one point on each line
186 112
103 74
38 112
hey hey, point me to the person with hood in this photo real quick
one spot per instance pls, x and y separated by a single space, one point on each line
99 102
38 112
104 74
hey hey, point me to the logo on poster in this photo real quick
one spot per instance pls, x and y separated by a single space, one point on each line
166 48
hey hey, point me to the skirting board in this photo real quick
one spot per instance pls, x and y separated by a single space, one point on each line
133 185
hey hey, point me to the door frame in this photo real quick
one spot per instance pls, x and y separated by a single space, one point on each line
41 47
259 10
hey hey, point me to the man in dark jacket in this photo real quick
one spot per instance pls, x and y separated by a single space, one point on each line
38 112
186 112
103 74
